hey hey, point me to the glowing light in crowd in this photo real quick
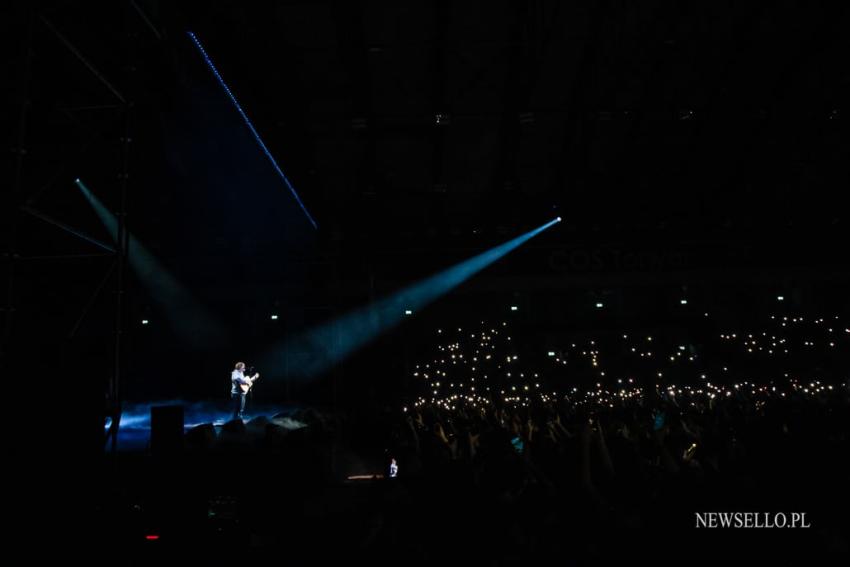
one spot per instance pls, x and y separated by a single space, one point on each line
253 130
479 381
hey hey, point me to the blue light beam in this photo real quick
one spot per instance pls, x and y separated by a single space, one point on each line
244 116
188 317
328 344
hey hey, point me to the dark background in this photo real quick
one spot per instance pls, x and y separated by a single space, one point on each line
692 149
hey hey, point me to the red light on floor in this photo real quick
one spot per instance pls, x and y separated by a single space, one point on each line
152 537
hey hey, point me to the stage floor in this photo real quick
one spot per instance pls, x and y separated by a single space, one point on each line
134 432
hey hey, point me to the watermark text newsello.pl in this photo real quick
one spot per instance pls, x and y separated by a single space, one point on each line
754 520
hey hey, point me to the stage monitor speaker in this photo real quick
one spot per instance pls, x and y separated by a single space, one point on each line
166 430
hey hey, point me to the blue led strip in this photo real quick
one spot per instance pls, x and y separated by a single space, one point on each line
251 127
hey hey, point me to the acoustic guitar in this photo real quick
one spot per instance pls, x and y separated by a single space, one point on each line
251 380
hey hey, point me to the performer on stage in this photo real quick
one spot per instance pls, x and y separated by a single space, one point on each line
241 384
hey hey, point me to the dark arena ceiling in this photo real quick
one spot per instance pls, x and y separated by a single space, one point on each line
681 143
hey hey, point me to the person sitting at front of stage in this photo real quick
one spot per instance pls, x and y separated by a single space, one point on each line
237 394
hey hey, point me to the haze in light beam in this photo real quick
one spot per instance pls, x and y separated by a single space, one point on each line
250 125
322 347
186 315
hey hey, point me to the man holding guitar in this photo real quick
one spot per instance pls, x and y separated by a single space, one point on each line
241 385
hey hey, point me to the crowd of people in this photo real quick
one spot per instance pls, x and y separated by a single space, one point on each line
595 457
557 476
505 465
